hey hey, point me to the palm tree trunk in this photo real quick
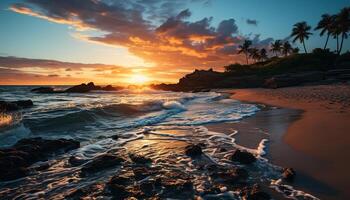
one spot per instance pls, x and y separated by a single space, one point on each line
304 47
341 43
337 43
325 45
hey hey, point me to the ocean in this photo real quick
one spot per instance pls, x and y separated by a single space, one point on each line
155 124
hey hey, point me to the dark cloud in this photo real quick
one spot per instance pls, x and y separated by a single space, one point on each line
53 75
252 22
16 62
157 31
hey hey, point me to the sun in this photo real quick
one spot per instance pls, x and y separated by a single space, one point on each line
138 79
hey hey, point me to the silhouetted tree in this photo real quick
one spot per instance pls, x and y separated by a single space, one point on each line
295 50
244 48
301 32
276 47
286 48
325 25
263 54
342 22
254 54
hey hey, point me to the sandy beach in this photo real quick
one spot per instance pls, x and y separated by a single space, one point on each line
317 138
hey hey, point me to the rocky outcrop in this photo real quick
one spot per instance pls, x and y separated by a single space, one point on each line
100 163
254 193
193 150
15 105
15 161
82 88
139 159
43 90
243 157
288 174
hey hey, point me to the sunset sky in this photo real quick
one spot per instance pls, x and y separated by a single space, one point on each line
58 42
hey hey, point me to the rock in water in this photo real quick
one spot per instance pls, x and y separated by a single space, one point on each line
255 193
101 162
288 174
14 161
243 157
193 150
15 105
82 88
43 90
24 103
138 159
8 107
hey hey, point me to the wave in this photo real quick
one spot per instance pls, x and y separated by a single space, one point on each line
128 115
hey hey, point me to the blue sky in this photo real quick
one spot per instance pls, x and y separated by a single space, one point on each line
157 36
26 36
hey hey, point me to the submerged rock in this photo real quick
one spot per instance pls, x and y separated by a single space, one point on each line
243 157
15 161
288 174
101 162
193 150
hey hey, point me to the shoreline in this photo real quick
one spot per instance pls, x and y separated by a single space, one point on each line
325 112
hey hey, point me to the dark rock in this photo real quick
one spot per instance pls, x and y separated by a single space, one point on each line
76 161
142 172
193 150
119 191
14 161
43 166
213 190
288 174
120 180
101 162
8 107
86 192
148 187
255 193
138 159
110 88
82 88
115 137
15 105
24 103
43 90
243 157
178 187
232 175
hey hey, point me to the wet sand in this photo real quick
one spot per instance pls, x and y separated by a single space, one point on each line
316 138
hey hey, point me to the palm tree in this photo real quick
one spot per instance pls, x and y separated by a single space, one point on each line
325 25
335 31
263 54
244 48
254 53
276 47
286 48
295 50
301 32
342 21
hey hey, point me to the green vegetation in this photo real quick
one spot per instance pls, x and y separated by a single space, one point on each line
286 58
318 60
